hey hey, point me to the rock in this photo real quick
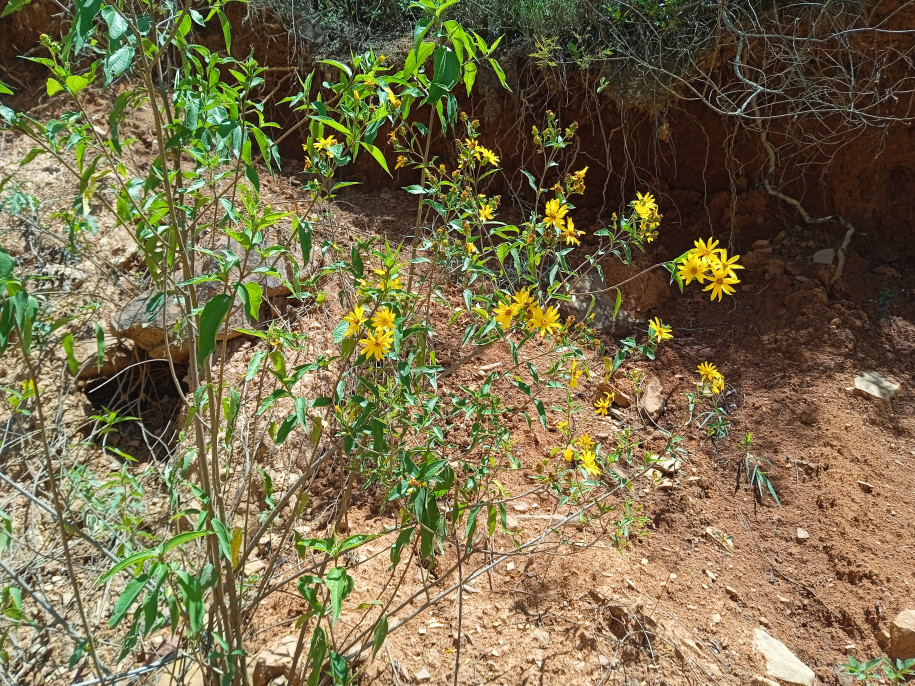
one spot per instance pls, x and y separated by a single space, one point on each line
669 465
422 676
802 534
757 680
872 384
842 677
652 398
781 663
118 355
706 353
824 256
760 245
716 618
520 506
621 398
148 329
274 660
902 636
512 524
589 295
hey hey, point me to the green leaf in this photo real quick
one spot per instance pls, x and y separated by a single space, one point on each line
191 591
378 155
501 74
67 344
541 411
100 345
447 70
470 76
224 537
117 25
7 264
251 295
135 559
316 656
83 23
126 599
14 6
118 62
211 319
339 585
54 87
76 83
619 302
304 231
181 539
381 633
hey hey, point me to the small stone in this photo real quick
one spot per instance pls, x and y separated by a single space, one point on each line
621 398
874 385
716 618
802 534
652 397
254 567
510 567
669 466
512 524
764 621
274 660
604 661
710 574
866 487
781 663
421 631
902 636
757 680
760 245
824 256
706 353
520 506
731 592
422 676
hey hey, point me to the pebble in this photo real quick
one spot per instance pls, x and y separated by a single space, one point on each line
824 256
802 534
875 385
716 618
423 676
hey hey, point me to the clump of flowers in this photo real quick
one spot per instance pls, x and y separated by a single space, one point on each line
711 379
707 262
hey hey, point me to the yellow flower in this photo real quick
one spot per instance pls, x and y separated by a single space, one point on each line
504 313
384 318
602 404
658 331
554 213
587 461
692 268
568 454
545 321
645 205
355 319
720 284
706 251
574 374
522 299
325 143
377 344
485 154
570 234
584 441
728 265
486 212
471 248
708 371
393 99
580 174
718 384
401 161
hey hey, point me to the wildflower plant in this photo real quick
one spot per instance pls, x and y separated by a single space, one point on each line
396 412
